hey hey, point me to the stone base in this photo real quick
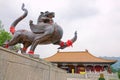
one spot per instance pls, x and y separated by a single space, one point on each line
35 56
14 66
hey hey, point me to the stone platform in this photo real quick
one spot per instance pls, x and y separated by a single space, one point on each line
14 66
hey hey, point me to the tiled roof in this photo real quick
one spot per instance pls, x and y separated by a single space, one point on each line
79 57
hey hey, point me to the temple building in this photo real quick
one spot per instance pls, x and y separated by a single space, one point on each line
80 62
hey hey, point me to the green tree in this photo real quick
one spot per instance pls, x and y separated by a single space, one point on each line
113 70
4 35
119 73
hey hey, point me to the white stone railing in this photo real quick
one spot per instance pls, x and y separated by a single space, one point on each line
93 76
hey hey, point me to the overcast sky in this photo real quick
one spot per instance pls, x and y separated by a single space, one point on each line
97 23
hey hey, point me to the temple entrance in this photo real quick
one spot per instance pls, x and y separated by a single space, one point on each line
83 68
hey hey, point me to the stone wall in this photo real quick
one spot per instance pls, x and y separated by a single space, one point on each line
14 66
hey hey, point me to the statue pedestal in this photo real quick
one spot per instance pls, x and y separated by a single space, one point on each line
35 56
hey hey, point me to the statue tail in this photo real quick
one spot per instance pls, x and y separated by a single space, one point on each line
68 43
75 37
13 25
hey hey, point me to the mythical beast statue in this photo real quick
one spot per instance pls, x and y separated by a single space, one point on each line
50 33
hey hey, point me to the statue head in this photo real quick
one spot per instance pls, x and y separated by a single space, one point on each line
46 17
49 14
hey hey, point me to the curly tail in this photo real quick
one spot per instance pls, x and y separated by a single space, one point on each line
69 42
13 25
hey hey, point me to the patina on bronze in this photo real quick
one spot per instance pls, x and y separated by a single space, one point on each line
42 33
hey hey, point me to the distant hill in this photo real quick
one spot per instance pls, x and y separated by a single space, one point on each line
117 64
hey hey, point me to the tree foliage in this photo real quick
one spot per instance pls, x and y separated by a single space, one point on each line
116 70
119 73
4 35
113 70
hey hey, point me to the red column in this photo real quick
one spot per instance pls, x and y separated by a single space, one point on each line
94 68
102 67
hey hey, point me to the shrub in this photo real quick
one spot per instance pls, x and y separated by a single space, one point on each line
4 36
119 74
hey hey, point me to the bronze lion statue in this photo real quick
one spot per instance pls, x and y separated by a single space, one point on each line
47 34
